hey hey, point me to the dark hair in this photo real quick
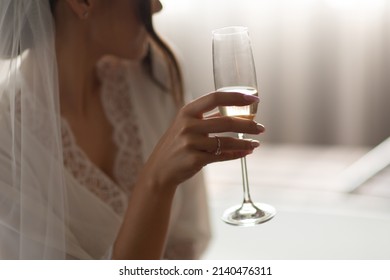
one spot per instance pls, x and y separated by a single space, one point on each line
176 83
52 4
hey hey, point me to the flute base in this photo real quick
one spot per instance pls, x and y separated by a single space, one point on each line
248 214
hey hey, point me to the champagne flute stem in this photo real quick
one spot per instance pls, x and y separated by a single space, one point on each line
245 182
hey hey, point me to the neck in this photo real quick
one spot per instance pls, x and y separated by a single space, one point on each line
78 83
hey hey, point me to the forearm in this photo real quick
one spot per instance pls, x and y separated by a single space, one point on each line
145 225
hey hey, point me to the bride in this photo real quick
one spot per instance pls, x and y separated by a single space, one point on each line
99 156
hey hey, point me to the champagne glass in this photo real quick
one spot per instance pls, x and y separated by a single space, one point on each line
234 71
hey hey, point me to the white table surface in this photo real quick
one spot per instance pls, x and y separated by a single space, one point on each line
316 219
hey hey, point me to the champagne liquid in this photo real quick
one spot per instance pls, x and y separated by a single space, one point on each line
247 112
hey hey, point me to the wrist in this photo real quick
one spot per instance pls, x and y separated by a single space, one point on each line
155 184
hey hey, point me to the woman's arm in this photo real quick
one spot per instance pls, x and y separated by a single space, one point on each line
182 151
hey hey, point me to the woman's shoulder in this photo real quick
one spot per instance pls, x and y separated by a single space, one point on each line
159 66
112 69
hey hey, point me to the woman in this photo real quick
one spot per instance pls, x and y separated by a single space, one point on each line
97 161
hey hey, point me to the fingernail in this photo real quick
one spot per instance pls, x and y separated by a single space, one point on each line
260 127
252 98
255 143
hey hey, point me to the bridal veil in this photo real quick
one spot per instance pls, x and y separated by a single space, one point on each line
33 212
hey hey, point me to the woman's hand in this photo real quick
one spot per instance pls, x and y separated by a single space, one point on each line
182 151
186 147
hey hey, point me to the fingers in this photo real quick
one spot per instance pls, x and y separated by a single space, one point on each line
229 156
196 148
207 150
212 115
225 144
210 101
228 124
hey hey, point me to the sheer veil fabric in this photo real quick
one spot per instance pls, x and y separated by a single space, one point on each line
32 189
43 213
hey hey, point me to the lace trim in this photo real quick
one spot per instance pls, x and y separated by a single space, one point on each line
119 110
115 94
87 174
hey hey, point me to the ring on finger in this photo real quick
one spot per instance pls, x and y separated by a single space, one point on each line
219 150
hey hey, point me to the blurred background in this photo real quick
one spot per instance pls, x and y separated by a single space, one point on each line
323 74
322 65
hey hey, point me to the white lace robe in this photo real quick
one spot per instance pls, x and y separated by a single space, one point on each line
139 112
